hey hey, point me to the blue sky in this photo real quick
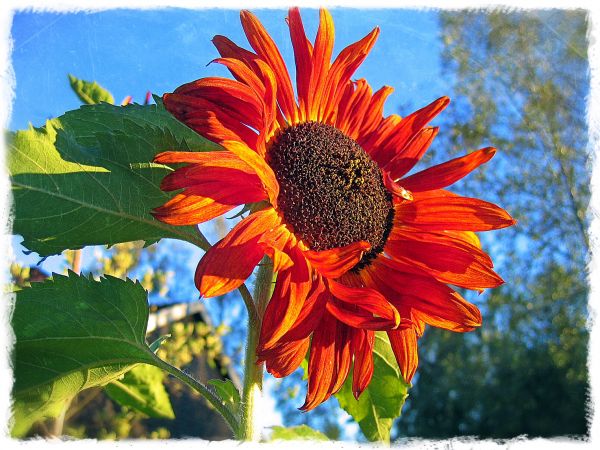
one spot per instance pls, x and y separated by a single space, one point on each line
132 51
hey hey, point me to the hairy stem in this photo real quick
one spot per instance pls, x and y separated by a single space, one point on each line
202 389
253 373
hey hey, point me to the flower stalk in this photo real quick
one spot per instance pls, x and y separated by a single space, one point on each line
253 373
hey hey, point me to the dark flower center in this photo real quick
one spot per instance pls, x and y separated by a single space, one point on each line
331 191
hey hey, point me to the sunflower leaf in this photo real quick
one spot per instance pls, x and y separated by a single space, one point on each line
87 177
142 389
227 392
382 401
73 333
90 92
301 432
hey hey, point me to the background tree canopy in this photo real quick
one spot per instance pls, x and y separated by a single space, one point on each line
521 81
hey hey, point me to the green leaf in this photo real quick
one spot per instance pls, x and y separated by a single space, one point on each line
87 177
227 392
301 432
73 333
90 92
142 389
382 401
158 342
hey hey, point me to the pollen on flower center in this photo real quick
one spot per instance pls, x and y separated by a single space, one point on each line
331 191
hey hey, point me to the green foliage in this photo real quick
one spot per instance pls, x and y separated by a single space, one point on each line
142 389
88 178
228 393
73 333
382 401
301 432
90 92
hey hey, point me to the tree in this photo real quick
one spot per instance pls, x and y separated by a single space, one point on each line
520 80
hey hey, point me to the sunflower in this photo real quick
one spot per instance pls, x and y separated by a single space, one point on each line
357 245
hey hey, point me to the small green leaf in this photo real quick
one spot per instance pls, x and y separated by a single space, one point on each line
142 389
382 401
73 333
87 177
157 343
227 392
301 432
90 92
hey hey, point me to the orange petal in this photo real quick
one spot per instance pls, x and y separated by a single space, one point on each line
212 121
286 357
362 307
401 194
447 263
335 262
343 356
262 169
437 304
464 240
266 49
353 107
374 115
453 213
228 263
467 237
321 363
274 243
401 163
404 345
310 315
221 158
448 173
341 70
362 348
291 290
407 130
303 59
321 61
228 49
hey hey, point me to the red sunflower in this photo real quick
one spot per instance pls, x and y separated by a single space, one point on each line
357 245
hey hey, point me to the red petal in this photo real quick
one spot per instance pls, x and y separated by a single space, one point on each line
321 363
227 264
450 172
451 264
228 49
303 58
407 130
374 115
321 61
362 347
362 307
437 304
352 109
266 49
274 243
312 312
453 213
335 262
404 345
402 162
286 357
262 169
291 289
343 356
341 70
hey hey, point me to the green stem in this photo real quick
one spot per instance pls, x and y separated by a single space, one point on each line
253 373
208 394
